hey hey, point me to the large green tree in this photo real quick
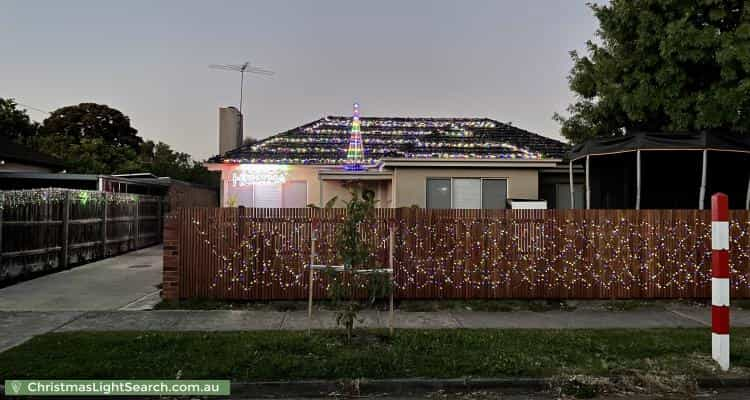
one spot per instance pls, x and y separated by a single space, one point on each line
663 65
96 139
161 160
93 121
87 155
15 124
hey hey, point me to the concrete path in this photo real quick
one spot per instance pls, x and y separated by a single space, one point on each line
227 320
127 281
17 327
111 294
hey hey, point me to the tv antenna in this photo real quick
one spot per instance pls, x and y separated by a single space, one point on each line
242 68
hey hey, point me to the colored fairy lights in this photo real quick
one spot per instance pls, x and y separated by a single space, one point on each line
609 256
342 141
356 153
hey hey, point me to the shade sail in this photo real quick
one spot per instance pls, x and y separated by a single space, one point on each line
661 141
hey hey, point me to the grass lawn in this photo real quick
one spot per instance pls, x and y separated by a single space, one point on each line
283 355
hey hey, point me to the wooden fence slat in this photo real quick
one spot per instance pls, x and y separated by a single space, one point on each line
261 254
43 230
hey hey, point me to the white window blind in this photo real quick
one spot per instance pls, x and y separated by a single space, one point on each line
267 196
295 194
467 193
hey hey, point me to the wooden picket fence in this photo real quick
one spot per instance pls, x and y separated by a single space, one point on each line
45 230
262 254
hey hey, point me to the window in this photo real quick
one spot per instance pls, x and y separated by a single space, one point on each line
267 195
467 193
439 193
494 193
295 194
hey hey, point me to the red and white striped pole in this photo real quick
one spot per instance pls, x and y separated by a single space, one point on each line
720 280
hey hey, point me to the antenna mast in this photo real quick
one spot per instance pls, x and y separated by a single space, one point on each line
242 68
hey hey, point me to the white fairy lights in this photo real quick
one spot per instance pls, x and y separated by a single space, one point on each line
610 256
324 142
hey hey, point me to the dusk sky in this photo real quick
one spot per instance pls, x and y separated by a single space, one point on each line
506 60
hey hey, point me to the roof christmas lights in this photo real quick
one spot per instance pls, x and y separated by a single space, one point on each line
323 142
356 153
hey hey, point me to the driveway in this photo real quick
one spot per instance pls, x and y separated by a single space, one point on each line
127 281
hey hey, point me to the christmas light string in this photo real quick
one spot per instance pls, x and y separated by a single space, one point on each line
324 142
355 154
21 198
511 254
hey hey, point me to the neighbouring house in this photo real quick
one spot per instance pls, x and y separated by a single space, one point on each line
18 158
179 193
175 193
644 170
467 163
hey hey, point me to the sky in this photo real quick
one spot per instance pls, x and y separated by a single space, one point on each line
505 60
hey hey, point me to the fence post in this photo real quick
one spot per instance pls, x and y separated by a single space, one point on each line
136 222
159 222
66 229
104 225
171 272
2 211
720 280
313 238
392 266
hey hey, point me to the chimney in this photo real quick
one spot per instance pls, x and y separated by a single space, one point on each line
230 129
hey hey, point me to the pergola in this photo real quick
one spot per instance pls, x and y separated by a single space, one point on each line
682 158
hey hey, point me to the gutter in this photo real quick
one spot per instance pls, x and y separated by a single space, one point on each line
508 163
413 386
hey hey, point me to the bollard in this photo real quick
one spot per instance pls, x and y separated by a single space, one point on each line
720 280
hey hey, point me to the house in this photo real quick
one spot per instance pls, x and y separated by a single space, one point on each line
178 193
18 158
175 193
424 162
657 170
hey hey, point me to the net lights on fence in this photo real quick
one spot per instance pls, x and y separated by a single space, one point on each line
20 198
585 254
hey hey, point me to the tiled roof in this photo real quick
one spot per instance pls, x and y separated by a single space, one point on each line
325 142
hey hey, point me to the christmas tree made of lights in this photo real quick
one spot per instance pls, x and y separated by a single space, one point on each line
355 155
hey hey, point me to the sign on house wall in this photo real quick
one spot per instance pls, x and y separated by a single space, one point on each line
263 186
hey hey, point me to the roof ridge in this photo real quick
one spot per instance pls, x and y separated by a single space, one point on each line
412 117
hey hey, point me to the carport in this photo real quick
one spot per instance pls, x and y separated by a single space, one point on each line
664 170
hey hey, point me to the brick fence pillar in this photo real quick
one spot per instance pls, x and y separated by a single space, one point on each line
171 268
